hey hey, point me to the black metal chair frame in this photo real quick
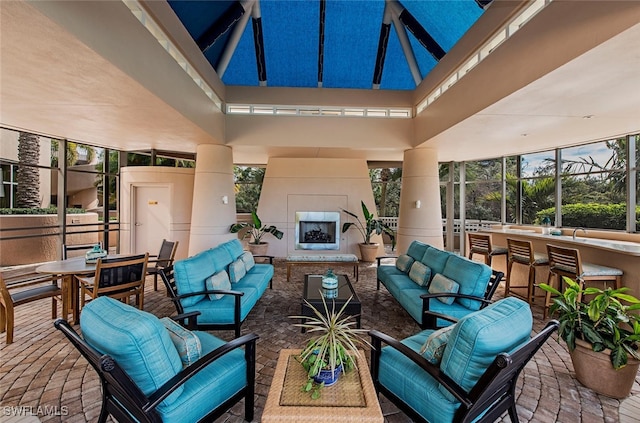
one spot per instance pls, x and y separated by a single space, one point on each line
494 392
122 399
430 318
168 277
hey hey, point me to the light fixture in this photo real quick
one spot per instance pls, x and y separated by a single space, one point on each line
418 204
225 199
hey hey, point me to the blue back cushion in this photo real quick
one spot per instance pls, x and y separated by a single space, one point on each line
136 340
190 275
234 248
472 277
417 249
479 337
436 259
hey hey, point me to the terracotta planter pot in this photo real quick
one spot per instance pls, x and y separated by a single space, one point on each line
594 370
368 252
258 249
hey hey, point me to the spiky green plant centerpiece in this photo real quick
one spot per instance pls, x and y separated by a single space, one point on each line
334 343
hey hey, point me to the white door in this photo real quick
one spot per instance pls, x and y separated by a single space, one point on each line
151 218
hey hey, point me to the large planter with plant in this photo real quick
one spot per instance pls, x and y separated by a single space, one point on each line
603 335
371 225
255 231
333 347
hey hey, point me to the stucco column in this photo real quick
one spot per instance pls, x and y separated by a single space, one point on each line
420 183
211 216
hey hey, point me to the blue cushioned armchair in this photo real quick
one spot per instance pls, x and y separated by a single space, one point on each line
476 377
153 370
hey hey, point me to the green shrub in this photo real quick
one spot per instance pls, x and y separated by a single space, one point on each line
49 210
591 215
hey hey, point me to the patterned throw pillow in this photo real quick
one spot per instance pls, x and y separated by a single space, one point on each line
434 346
404 262
218 280
441 284
420 273
186 342
237 270
248 260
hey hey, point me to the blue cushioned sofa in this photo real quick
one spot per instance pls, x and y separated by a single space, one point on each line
476 284
218 308
154 370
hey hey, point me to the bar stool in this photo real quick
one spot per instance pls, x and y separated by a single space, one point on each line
481 244
567 262
521 252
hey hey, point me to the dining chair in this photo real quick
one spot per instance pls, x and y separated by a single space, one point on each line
164 259
116 277
568 262
481 244
48 288
521 252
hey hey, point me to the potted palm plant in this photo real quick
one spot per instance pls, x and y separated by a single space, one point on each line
603 335
255 230
371 225
332 348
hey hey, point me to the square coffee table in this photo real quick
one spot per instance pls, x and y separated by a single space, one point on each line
352 399
313 293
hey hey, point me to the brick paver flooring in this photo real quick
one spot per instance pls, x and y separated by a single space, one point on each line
42 374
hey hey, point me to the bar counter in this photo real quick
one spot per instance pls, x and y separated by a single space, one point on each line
623 254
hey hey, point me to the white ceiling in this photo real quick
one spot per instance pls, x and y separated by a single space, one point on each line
53 81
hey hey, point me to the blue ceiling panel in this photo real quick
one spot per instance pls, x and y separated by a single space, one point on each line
351 43
352 29
291 42
445 20
242 69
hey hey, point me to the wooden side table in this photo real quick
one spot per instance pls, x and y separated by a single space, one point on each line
352 399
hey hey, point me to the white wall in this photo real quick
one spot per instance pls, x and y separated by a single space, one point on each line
180 182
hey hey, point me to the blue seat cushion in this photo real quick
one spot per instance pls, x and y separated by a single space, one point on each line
210 387
136 340
455 310
406 380
221 312
385 271
480 336
472 276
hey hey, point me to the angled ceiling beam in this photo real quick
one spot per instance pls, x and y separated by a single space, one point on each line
483 3
232 44
385 30
323 10
258 43
396 9
421 34
221 25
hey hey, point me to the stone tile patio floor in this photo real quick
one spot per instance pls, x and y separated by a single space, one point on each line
42 374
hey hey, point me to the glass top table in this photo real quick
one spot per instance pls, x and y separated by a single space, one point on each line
314 293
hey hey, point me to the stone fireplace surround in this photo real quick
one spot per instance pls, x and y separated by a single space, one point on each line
292 185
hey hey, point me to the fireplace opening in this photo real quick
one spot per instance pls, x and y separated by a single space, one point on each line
317 231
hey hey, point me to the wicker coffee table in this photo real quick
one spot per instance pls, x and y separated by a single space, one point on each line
352 399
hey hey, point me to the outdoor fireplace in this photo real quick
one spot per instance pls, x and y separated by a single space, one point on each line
317 231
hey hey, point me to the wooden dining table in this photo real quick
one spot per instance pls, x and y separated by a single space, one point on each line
68 269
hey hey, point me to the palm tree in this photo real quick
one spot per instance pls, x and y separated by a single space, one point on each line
28 174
